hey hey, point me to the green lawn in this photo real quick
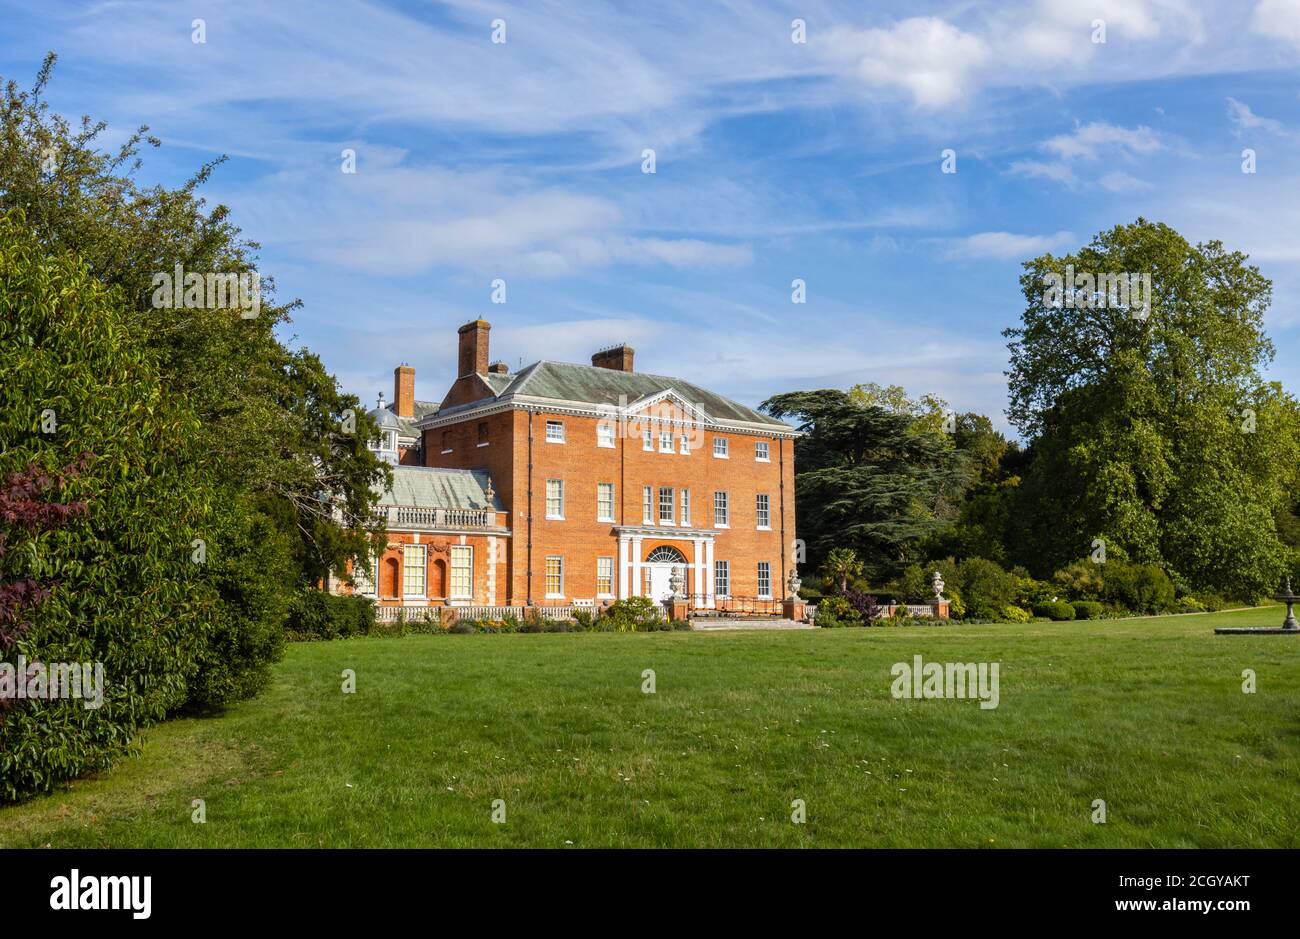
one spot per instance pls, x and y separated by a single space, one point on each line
1147 714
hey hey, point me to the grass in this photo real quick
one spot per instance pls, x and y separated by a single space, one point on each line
1148 715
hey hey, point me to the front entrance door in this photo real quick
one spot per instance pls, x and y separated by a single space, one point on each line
658 568
658 576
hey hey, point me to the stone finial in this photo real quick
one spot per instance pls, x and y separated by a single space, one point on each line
937 585
794 583
676 583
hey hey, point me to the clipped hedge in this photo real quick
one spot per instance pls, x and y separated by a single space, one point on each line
1087 609
1057 610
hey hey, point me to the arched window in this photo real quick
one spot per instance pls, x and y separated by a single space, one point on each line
665 555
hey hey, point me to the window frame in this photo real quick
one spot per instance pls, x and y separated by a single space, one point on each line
410 566
552 423
671 518
605 434
546 577
725 452
760 571
461 549
612 502
762 509
560 490
721 579
763 455
604 561
721 506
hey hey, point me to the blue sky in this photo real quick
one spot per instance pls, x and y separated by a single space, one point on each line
775 160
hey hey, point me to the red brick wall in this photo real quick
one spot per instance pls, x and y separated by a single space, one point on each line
581 464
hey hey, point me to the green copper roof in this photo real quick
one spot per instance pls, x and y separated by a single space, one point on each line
438 488
593 385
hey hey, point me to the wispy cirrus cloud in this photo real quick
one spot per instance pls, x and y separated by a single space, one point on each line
1006 246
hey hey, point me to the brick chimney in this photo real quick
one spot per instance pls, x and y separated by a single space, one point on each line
619 358
473 348
404 391
499 368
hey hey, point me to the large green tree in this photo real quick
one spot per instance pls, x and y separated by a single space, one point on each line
867 478
272 421
1151 429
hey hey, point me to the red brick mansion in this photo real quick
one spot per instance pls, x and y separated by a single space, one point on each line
575 485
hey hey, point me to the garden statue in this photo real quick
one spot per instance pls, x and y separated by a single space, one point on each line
794 583
938 586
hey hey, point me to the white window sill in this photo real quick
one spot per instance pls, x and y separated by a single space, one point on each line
553 596
762 459
716 525
604 596
764 597
609 520
605 446
484 444
549 440
764 527
663 524
721 456
555 518
448 450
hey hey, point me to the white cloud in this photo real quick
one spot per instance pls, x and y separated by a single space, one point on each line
1119 181
1244 119
1278 19
1053 170
1089 141
931 59
1005 246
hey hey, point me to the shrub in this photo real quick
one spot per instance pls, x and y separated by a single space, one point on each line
584 620
1142 588
1212 602
124 588
913 585
1057 610
635 614
864 606
835 611
681 625
315 614
1087 609
463 627
1014 614
1029 591
1081 580
986 588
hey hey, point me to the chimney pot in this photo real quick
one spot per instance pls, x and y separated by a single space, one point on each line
499 368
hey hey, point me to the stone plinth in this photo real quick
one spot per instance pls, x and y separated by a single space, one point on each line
793 609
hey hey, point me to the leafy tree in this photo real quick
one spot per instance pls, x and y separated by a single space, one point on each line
841 568
864 479
129 594
271 421
1151 429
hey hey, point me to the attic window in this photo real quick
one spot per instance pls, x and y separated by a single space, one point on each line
482 433
555 431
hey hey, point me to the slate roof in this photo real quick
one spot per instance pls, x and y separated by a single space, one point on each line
421 409
590 384
440 488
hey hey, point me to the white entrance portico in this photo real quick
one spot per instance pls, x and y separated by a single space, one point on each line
645 563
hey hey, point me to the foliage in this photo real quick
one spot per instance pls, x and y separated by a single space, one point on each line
1054 609
634 614
1153 434
316 614
1087 609
1140 588
866 480
864 605
836 611
986 588
1014 614
841 568
126 592
1081 580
